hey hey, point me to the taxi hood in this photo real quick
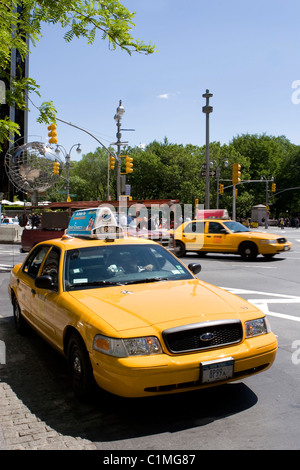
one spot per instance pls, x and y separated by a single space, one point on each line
161 304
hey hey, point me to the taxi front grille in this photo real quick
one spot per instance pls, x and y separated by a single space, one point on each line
199 336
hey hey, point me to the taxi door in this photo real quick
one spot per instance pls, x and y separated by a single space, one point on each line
25 281
45 306
193 235
217 238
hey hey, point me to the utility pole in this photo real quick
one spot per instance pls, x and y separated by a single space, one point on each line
207 110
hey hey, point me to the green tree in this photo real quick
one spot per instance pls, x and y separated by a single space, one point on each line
269 156
166 171
78 18
287 195
89 176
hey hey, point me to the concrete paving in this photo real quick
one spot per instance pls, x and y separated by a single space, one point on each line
32 415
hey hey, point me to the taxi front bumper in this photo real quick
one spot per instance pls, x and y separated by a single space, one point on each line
274 248
159 374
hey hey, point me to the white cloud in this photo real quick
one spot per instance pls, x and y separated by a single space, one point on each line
167 96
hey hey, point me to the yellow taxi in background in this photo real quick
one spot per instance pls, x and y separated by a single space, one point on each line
128 315
227 236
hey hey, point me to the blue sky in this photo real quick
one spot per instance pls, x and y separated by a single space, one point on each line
246 52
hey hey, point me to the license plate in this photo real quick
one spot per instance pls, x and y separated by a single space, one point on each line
214 371
286 247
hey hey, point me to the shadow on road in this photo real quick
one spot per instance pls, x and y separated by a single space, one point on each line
39 378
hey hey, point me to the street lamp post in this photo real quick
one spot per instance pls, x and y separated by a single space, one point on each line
218 175
118 118
67 157
267 198
207 110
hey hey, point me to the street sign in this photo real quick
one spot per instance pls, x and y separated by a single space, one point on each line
211 173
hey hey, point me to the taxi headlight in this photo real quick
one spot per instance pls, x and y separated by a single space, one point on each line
260 326
143 346
268 242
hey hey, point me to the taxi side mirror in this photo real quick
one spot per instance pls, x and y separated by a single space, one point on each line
45 282
195 268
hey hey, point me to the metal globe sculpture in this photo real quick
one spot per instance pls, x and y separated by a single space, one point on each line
33 167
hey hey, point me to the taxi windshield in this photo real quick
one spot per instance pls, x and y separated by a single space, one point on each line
103 266
235 226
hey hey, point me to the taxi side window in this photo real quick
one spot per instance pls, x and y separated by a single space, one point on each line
194 227
34 261
51 264
215 227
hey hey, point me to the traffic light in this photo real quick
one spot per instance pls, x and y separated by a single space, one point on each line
112 162
129 164
273 187
236 173
52 134
56 168
221 188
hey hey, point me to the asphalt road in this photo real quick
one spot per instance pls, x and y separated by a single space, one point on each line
261 412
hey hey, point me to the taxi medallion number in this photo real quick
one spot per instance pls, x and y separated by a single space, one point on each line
214 371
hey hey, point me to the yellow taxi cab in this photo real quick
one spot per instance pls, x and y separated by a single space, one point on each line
128 315
227 236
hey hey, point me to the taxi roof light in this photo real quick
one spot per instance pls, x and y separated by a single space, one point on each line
99 223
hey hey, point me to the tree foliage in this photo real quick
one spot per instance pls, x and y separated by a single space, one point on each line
163 170
78 18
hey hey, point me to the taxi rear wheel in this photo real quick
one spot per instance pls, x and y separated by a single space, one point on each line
80 367
248 251
20 322
180 249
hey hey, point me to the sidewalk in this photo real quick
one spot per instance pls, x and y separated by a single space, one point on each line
22 430
38 410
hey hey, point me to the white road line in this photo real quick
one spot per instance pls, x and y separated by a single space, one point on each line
271 294
270 298
265 308
256 266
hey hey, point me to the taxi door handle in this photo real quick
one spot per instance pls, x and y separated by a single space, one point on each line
33 291
208 236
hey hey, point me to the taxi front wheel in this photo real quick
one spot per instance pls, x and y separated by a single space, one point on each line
80 367
248 251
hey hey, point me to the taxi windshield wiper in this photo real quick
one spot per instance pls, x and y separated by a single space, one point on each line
96 283
148 279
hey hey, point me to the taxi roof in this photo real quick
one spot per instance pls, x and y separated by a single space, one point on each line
211 219
68 243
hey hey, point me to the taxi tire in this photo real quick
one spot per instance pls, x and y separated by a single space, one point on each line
80 367
248 251
20 323
180 249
